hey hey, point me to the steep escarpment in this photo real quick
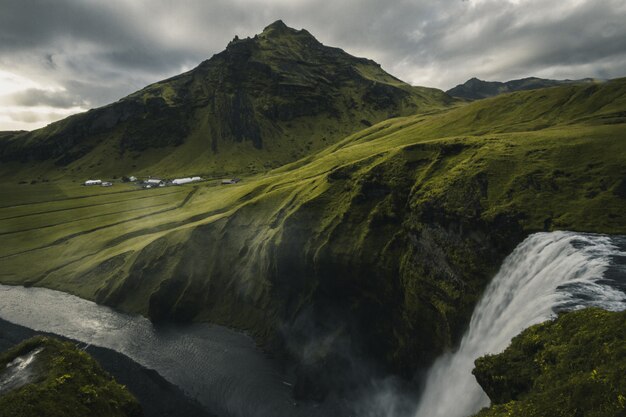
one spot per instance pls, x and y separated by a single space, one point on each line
374 249
379 254
43 376
262 102
573 365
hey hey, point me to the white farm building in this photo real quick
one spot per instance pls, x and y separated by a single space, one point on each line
93 182
154 182
186 180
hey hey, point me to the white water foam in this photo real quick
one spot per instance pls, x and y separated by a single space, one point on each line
548 272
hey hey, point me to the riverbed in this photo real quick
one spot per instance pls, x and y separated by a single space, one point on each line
220 368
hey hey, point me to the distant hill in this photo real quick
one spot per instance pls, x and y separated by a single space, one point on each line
262 102
475 89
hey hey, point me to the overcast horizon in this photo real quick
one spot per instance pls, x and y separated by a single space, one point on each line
60 58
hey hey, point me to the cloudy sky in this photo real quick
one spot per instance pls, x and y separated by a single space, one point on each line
59 57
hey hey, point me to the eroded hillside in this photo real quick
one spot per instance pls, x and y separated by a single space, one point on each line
378 245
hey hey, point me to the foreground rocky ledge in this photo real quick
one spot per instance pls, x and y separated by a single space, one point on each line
572 366
44 376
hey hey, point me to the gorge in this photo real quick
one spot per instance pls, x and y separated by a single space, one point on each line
224 371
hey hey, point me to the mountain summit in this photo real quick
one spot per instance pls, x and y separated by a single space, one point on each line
262 102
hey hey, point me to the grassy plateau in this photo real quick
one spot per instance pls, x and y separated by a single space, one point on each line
382 241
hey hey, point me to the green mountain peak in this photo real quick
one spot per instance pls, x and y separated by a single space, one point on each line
277 26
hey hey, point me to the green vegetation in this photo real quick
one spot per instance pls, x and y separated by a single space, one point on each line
371 214
385 238
63 381
572 366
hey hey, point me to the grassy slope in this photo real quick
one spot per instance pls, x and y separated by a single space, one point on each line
384 239
572 366
67 382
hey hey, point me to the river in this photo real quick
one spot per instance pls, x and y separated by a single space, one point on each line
221 368
227 374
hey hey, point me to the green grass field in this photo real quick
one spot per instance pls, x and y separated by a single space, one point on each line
47 226
339 221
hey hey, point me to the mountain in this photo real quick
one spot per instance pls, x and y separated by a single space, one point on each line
261 103
475 89
373 250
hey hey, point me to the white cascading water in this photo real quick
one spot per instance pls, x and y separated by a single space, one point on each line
548 272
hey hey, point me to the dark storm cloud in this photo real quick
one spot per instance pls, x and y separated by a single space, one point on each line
97 51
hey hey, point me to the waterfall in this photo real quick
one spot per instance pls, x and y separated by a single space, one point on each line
547 273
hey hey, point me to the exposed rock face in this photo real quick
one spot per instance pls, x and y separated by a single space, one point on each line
372 274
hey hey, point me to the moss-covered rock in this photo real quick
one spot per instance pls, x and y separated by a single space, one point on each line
572 366
46 377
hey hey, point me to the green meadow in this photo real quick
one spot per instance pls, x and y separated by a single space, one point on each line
459 187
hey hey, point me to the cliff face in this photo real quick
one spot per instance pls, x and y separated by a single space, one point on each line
574 365
374 249
262 102
377 255
46 377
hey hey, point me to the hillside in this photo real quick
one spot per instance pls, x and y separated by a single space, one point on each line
261 103
43 376
574 365
475 89
376 247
